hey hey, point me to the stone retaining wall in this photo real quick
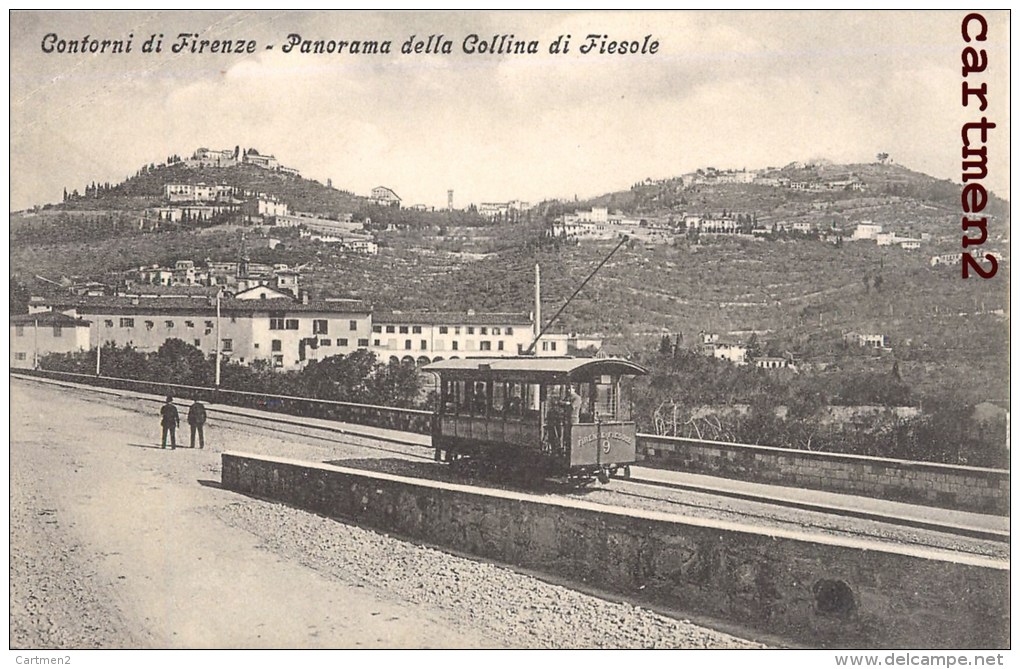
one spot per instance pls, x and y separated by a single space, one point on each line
823 592
953 487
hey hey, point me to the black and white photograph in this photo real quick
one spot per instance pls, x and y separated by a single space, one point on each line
505 330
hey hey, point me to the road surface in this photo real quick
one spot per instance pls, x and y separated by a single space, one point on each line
116 543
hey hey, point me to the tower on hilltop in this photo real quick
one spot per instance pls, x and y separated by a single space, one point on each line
449 199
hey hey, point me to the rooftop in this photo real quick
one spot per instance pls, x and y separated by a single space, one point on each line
115 304
450 318
48 318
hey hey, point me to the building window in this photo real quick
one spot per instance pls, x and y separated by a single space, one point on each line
227 345
275 323
329 342
471 330
485 346
354 325
209 325
19 330
189 324
416 329
403 329
456 330
292 324
545 346
277 345
456 346
362 343
483 331
443 329
424 344
20 356
499 345
149 325
342 341
376 343
320 326
58 331
377 329
169 325
495 331
277 361
198 343
509 331
127 322
407 344
389 329
108 322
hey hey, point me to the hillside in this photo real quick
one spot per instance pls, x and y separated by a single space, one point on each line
145 188
800 295
901 199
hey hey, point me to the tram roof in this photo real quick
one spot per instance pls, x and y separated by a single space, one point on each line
531 368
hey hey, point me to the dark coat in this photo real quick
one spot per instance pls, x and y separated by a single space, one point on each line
170 416
196 414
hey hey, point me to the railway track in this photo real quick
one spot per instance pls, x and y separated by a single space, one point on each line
642 492
412 455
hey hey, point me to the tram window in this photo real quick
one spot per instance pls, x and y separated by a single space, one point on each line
514 401
605 401
481 401
450 397
534 396
498 396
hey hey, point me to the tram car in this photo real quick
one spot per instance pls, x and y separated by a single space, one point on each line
554 417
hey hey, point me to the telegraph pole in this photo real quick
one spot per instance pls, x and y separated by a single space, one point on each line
219 342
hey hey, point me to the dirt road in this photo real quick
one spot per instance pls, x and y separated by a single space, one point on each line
116 543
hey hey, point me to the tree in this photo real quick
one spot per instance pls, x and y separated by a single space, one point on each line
179 362
395 384
19 297
882 157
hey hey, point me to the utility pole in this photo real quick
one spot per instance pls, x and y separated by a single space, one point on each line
219 342
538 302
99 350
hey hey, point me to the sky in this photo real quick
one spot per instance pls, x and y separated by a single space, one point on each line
732 89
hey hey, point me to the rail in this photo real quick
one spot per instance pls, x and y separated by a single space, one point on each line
392 418
972 489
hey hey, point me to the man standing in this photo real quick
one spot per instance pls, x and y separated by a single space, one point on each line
196 419
170 420
576 402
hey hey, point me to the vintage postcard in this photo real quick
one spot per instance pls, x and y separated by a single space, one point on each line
511 330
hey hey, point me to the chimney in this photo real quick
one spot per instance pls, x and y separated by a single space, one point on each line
304 296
